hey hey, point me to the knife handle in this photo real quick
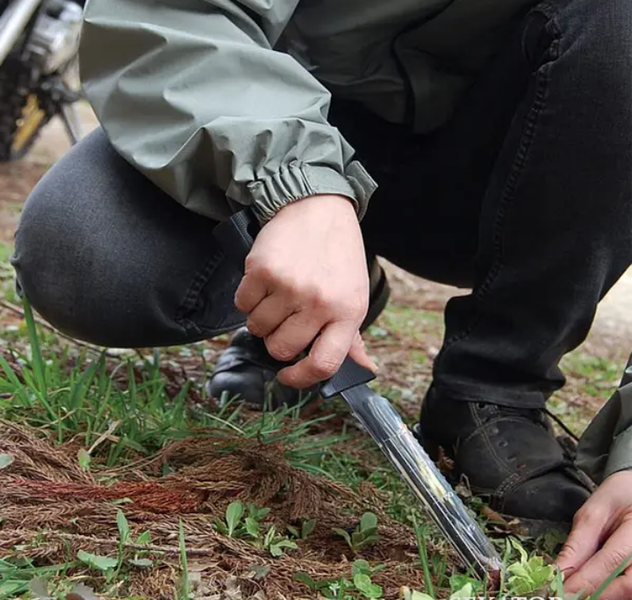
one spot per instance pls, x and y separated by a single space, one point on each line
236 237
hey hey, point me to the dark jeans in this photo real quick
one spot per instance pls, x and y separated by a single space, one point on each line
525 196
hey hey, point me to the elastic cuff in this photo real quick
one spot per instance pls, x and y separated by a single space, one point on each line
620 457
299 180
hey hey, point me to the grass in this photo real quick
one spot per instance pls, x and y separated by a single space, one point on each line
596 373
15 578
7 285
121 411
185 586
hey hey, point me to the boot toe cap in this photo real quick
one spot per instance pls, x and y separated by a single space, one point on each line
552 497
247 384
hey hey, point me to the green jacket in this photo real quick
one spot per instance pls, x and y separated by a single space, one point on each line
223 103
606 446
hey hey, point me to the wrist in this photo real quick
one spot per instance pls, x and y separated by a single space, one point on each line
624 475
335 200
329 203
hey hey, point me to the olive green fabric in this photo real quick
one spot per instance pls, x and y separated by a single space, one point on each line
606 446
198 96
224 103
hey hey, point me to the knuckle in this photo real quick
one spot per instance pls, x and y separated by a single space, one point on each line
580 517
280 351
616 558
320 301
251 263
585 516
570 549
359 307
265 272
291 287
325 367
352 308
239 301
316 297
585 585
254 328
258 269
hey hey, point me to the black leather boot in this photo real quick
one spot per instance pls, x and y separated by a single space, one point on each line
246 370
509 457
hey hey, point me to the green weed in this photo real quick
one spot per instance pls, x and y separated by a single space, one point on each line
343 588
421 535
528 574
307 526
365 534
274 543
237 525
16 575
104 564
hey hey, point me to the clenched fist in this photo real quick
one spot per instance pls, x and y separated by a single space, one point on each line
306 279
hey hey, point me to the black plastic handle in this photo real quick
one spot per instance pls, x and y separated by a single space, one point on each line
236 237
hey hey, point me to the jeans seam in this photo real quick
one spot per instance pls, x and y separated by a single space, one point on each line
517 169
192 296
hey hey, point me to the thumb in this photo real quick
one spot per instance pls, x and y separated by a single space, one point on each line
359 354
583 542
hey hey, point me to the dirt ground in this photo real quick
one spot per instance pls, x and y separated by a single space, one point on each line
611 335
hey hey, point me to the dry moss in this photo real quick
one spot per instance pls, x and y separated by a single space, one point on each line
50 506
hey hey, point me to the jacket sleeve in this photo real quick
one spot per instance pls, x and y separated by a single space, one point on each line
192 93
606 445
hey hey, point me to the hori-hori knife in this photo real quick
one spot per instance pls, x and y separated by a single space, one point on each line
387 429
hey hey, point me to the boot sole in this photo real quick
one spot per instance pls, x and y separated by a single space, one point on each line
534 528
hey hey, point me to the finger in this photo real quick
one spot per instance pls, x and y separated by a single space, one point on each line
359 354
620 588
292 336
250 292
325 357
268 315
584 540
598 568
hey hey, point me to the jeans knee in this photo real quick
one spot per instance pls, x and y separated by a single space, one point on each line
106 257
43 256
68 264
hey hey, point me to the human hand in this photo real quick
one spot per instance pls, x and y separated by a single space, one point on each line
601 540
306 279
